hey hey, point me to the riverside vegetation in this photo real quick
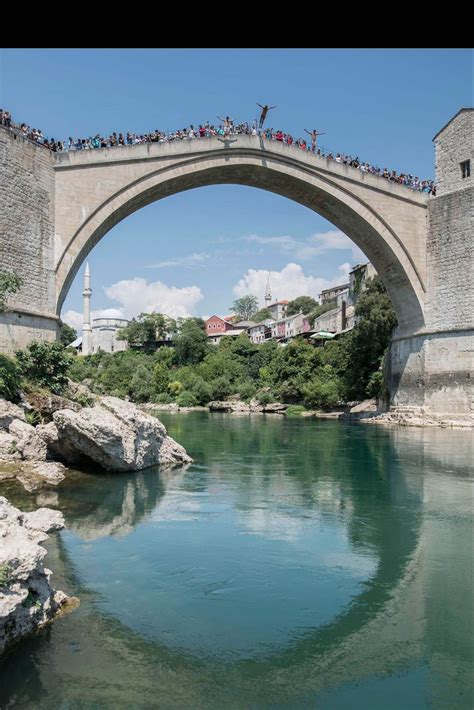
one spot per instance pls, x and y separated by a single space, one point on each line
194 373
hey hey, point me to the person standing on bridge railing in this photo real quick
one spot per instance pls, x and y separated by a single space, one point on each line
228 124
314 135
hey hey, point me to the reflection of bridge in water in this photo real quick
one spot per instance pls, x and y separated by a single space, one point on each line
414 601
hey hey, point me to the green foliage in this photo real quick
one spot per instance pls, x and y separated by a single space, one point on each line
45 364
67 334
221 388
245 307
9 378
33 417
187 399
5 574
291 368
162 398
83 399
141 384
10 283
262 314
247 390
375 385
323 390
265 396
13 448
369 339
175 388
161 378
191 345
147 328
346 368
302 304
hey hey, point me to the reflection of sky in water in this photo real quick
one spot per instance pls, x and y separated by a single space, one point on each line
281 526
207 573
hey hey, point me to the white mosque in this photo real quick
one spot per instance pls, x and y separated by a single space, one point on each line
102 334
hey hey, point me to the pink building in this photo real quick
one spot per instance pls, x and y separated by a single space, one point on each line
217 326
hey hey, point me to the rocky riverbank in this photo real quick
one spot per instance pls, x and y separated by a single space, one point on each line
108 431
27 600
366 412
105 431
235 406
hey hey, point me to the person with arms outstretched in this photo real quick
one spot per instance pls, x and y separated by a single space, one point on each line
263 115
314 134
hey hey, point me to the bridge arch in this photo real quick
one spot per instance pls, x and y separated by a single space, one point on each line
386 221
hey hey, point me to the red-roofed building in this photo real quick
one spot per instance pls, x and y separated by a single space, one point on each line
215 325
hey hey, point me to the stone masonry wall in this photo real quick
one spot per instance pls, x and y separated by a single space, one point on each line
450 261
27 220
455 144
27 240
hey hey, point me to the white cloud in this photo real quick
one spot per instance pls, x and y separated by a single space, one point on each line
183 261
288 283
304 249
138 296
73 318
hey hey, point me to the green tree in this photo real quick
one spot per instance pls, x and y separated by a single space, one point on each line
302 304
141 385
10 283
262 314
369 339
9 378
291 368
147 328
161 378
46 364
67 334
191 344
324 389
245 307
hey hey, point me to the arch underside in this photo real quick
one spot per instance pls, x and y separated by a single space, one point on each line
348 212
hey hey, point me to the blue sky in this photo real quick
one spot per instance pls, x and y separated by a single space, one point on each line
193 251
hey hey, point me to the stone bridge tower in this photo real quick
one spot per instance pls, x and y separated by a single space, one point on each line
434 370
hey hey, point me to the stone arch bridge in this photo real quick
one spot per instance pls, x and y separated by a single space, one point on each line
56 207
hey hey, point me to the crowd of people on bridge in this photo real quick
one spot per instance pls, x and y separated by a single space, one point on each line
224 130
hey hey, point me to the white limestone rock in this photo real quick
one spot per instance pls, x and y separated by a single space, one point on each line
31 446
115 434
368 405
9 412
27 600
33 474
8 447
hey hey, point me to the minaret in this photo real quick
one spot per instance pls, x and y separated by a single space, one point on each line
86 324
268 295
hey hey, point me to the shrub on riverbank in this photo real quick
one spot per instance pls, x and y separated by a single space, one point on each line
45 364
10 378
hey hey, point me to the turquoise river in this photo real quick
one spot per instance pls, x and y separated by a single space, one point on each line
296 564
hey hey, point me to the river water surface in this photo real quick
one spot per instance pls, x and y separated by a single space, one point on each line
296 564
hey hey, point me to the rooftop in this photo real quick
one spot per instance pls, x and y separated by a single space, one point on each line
461 110
339 287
